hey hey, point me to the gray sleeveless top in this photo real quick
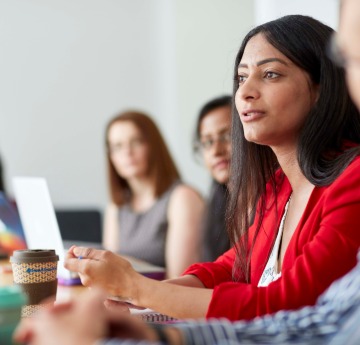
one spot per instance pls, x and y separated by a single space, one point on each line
143 235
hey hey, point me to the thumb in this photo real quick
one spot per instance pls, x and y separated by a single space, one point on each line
87 253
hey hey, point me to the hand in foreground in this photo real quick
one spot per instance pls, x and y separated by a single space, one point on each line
81 322
104 269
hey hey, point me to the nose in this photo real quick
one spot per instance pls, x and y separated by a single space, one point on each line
218 148
249 89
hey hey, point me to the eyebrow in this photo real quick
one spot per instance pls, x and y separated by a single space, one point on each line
265 61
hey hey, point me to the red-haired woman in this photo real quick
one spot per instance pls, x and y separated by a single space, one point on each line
152 215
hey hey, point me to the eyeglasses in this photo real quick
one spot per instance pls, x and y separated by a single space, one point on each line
336 54
133 144
207 144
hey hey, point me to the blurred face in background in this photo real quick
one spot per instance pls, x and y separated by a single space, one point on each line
215 142
128 150
347 46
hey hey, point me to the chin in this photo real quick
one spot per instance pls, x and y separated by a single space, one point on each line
221 178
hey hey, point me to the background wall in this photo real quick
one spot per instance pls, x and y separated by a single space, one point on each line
324 10
67 66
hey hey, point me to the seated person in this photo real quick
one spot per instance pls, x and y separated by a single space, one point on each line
295 165
212 143
152 215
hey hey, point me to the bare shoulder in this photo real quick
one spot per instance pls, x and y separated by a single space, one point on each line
111 208
185 195
185 192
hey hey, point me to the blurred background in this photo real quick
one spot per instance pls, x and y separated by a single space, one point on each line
67 66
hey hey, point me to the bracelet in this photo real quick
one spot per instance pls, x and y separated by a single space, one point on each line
160 332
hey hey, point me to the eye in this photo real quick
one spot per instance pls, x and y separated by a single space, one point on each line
241 79
271 75
206 144
115 148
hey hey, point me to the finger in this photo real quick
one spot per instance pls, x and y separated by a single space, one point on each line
76 257
70 253
116 305
61 307
88 253
133 306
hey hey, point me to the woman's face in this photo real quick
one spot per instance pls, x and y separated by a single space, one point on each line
274 96
128 150
215 142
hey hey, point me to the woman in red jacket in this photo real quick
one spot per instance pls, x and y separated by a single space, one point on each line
295 168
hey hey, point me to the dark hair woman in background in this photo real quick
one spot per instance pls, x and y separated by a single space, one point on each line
212 143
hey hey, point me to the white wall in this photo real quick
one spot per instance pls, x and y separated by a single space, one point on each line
209 33
67 66
323 10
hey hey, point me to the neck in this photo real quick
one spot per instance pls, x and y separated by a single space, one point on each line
142 193
289 164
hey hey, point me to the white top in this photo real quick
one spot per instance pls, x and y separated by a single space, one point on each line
270 273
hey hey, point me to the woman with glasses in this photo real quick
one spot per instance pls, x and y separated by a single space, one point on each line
212 143
294 169
152 215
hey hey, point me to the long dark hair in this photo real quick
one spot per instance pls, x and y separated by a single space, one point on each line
216 240
321 157
162 168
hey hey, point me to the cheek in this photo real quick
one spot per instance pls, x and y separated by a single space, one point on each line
144 155
228 151
207 160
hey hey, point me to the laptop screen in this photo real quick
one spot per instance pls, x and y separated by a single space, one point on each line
38 217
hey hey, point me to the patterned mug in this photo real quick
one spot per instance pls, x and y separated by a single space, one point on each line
35 271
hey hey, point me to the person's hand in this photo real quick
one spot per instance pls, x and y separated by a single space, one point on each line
78 322
83 322
104 269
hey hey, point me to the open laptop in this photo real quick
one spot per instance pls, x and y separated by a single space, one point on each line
39 221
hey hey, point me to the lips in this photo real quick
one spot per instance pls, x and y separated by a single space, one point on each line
223 164
251 115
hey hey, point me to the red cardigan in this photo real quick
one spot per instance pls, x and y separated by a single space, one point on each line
322 249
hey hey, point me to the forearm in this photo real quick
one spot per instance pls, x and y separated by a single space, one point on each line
172 300
187 280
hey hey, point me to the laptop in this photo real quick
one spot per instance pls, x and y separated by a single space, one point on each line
11 232
39 221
